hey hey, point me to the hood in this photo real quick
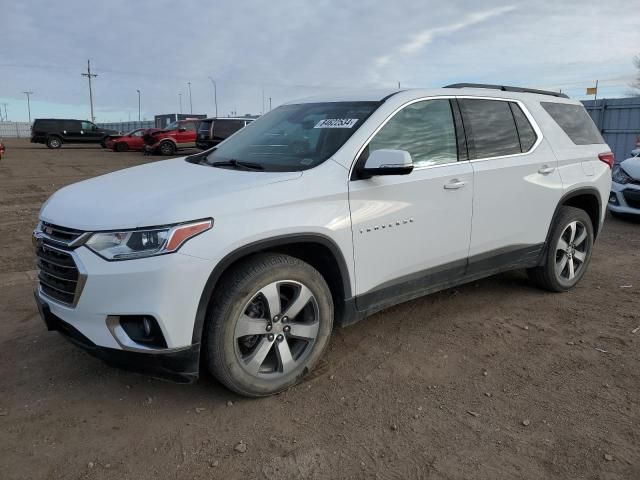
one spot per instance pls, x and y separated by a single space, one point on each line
158 193
632 167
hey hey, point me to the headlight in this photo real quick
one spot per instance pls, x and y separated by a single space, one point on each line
130 244
620 176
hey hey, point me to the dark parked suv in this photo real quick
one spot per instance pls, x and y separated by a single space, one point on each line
53 132
214 130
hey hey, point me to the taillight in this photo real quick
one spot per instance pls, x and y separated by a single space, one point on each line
607 158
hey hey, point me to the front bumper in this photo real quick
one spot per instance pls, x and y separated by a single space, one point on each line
178 365
624 199
165 287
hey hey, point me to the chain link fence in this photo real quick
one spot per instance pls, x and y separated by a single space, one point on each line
15 130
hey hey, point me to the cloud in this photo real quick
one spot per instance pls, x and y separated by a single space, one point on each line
291 49
418 41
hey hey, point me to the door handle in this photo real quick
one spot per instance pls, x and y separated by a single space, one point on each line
454 184
546 170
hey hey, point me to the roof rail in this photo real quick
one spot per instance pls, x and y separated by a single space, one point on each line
506 88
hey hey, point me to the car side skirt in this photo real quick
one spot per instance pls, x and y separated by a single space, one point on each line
442 277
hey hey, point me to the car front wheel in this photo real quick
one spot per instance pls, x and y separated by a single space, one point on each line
270 323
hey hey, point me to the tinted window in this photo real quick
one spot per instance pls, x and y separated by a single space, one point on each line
424 129
226 128
490 128
204 127
575 121
525 131
189 127
87 126
71 125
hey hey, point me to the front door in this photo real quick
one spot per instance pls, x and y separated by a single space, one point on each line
411 232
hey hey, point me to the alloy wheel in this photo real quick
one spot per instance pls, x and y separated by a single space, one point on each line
572 251
277 329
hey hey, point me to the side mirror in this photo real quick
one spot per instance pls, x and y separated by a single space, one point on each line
387 162
182 129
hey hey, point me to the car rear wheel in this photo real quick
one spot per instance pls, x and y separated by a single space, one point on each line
568 252
54 142
167 148
270 322
121 147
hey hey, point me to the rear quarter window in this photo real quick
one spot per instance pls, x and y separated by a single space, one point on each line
575 122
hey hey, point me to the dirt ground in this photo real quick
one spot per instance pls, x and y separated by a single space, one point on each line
491 380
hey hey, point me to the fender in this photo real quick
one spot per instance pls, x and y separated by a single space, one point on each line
567 196
260 245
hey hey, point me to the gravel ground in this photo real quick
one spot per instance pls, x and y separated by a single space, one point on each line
491 380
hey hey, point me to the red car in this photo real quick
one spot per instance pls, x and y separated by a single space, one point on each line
179 134
133 140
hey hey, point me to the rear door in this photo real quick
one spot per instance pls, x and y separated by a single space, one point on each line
71 131
517 185
411 232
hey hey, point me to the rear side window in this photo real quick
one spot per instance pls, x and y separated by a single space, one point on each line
490 127
226 128
575 121
204 127
526 132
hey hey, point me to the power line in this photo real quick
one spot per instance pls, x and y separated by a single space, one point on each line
90 75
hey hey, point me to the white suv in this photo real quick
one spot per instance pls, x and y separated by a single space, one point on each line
321 212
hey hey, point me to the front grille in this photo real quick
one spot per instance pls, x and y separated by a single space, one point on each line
632 197
58 273
60 234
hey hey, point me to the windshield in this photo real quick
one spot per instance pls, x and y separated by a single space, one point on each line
293 137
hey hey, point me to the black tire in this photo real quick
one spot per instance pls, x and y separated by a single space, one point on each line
121 147
167 148
236 294
548 276
54 142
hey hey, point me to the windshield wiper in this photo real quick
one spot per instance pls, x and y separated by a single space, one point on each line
238 164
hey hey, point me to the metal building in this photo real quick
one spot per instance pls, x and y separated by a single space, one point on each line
618 119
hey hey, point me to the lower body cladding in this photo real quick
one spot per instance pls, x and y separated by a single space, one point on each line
135 314
624 199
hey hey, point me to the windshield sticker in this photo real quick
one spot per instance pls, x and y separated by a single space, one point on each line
336 123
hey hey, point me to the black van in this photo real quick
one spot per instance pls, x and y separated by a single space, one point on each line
55 131
212 131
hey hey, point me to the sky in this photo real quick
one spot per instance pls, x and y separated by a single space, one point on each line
281 50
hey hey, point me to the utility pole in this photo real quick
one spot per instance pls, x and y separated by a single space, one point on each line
269 103
138 104
398 85
263 100
90 75
28 94
215 94
190 104
6 117
180 95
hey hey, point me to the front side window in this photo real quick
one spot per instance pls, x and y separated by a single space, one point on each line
424 129
88 126
293 137
490 128
189 127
